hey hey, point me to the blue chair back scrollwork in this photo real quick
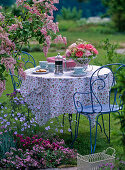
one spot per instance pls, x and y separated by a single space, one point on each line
102 96
28 62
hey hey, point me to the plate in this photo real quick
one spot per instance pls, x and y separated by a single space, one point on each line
34 72
78 75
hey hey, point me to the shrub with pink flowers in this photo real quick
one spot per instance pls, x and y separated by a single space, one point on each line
80 51
42 154
36 21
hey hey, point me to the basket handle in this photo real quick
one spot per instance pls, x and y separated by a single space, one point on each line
113 154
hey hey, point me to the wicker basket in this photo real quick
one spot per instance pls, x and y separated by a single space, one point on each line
93 161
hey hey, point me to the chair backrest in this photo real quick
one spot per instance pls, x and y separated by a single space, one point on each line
28 62
26 58
103 86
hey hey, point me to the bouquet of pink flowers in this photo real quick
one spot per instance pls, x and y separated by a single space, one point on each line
81 51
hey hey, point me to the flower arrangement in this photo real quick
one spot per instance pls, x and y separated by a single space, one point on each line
81 51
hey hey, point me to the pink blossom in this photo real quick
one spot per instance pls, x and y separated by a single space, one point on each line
43 31
74 45
22 73
2 86
68 53
95 51
89 47
88 53
45 50
65 40
79 54
81 46
20 2
2 17
9 63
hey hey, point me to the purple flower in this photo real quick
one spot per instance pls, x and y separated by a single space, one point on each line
8 123
5 115
61 131
47 128
69 130
16 118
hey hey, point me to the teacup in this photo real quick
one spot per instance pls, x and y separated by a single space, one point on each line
43 64
51 67
78 70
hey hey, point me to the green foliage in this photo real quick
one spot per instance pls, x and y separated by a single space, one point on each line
6 142
116 8
110 48
67 26
70 14
121 90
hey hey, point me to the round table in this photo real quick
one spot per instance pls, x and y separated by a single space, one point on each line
50 95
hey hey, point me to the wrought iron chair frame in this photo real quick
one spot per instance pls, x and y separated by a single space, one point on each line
16 84
101 112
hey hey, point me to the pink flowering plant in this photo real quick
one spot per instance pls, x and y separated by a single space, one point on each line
36 21
81 51
43 154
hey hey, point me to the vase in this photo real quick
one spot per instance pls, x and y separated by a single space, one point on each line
82 62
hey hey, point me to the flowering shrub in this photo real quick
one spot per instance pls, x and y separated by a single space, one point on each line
80 51
36 21
15 116
47 153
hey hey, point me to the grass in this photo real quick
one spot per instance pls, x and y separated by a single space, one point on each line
82 142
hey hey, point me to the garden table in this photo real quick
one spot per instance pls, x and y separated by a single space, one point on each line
50 95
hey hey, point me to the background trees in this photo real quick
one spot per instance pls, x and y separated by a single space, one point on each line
116 9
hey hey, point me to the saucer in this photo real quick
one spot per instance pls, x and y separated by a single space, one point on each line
78 75
34 72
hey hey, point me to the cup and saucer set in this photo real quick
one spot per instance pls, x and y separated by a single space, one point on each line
79 72
44 67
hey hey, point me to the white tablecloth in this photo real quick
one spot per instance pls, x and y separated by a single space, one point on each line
50 95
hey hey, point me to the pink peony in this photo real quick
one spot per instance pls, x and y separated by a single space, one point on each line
88 53
68 53
89 47
79 54
81 46
95 51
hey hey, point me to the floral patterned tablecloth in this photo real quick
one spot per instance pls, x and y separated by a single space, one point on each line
50 95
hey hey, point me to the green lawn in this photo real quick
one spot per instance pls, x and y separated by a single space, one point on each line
82 142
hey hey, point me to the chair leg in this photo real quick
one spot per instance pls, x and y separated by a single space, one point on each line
108 138
95 134
76 128
90 134
109 129
70 121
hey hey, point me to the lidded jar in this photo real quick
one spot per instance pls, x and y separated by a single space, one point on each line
58 64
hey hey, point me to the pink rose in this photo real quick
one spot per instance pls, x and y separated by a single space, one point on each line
87 53
95 51
81 46
79 54
89 47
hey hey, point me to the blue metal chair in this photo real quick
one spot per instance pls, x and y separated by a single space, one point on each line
98 83
28 62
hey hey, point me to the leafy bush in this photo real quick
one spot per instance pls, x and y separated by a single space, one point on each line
82 22
70 14
65 25
103 29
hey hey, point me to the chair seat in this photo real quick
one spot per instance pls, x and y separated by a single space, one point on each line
97 109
